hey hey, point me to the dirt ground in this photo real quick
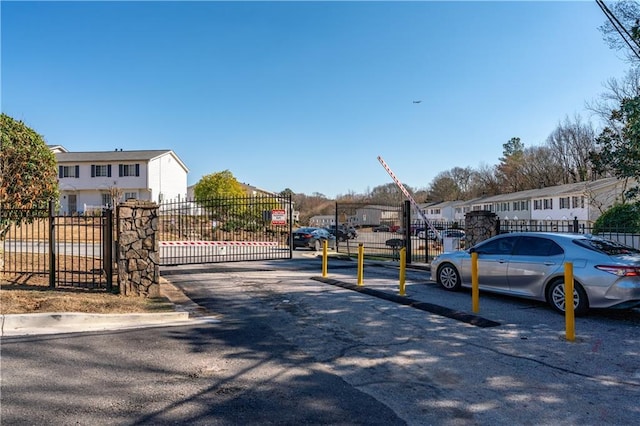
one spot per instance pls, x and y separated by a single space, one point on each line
38 297
30 292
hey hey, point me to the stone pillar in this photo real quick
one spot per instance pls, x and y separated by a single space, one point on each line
480 225
138 250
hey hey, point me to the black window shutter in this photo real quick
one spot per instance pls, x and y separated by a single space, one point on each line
77 171
93 170
120 167
60 172
137 169
109 170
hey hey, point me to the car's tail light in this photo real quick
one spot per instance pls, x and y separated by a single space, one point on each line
620 270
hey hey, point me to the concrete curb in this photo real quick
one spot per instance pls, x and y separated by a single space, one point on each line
68 322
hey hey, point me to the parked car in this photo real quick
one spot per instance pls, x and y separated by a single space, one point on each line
429 234
312 238
440 235
452 233
531 265
340 233
352 232
381 228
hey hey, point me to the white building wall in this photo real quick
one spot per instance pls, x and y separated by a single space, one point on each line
167 179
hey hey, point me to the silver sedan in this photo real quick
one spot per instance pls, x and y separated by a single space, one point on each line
531 265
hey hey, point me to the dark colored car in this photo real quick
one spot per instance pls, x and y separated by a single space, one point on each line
312 238
381 228
352 232
531 265
340 233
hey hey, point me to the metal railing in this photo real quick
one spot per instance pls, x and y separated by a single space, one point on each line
40 246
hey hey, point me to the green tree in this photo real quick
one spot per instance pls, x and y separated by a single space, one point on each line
287 192
618 146
28 175
619 218
218 185
510 167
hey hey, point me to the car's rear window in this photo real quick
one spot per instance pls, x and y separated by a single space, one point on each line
611 248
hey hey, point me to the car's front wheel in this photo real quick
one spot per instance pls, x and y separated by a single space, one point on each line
556 297
449 277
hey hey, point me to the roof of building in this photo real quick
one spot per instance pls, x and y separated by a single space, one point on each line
566 189
117 155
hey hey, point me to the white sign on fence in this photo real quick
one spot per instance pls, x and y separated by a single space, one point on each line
278 217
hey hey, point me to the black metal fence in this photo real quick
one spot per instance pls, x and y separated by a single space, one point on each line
225 229
381 229
384 229
41 247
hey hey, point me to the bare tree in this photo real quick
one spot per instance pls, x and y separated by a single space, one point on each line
485 182
115 194
616 90
463 179
541 168
443 188
388 194
621 30
571 142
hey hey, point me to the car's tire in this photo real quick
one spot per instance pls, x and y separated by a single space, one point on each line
449 277
555 297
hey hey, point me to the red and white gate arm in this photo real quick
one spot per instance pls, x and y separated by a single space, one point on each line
407 194
218 243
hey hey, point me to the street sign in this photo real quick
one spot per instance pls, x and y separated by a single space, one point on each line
278 217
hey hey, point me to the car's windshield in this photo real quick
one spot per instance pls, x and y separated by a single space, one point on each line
612 248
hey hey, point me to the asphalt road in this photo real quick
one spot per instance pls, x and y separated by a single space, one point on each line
295 348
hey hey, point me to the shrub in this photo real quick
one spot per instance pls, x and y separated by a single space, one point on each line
620 218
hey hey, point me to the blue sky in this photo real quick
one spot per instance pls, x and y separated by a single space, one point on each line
304 95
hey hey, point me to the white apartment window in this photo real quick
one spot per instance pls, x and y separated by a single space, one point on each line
128 170
68 171
537 204
520 205
564 202
101 170
548 203
130 195
577 202
106 199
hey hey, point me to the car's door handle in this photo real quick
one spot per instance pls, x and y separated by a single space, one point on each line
549 263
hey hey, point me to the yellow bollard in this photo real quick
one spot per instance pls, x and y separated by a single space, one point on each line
475 286
403 269
325 243
569 314
360 264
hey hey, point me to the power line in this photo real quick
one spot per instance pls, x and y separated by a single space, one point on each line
617 25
